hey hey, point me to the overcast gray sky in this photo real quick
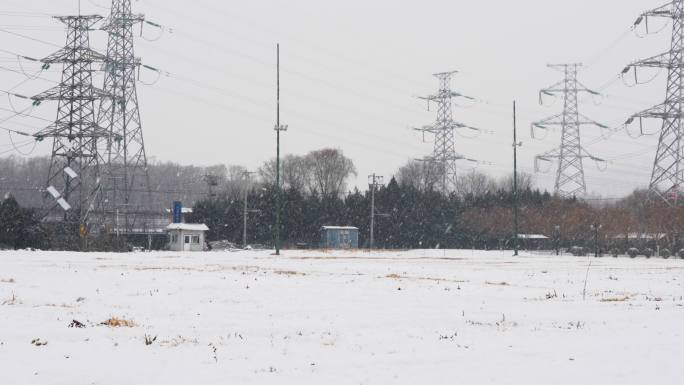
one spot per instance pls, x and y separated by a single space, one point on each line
351 71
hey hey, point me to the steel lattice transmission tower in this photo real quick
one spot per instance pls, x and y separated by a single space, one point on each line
124 153
667 177
74 174
570 180
444 156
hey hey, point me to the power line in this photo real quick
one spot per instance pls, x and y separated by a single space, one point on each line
30 38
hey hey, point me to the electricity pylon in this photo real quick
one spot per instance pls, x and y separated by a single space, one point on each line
444 155
570 180
74 175
125 159
667 177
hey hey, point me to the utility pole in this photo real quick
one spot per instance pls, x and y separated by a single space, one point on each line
74 173
278 128
212 182
557 238
570 180
667 178
374 181
444 156
246 176
515 181
596 227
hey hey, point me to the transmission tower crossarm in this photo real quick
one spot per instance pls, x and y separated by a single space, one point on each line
61 130
587 121
452 157
659 111
554 120
667 10
659 61
122 21
64 55
442 96
555 153
560 88
63 92
559 120
554 89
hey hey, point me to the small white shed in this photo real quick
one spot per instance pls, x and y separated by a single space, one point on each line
186 236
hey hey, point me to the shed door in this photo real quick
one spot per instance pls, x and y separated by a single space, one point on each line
187 240
345 239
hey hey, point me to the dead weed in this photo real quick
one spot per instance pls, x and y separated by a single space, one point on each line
118 323
616 299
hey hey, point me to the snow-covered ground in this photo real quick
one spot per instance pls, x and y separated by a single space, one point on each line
312 317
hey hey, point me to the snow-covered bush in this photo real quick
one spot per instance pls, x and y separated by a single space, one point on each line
614 252
633 252
578 251
680 254
665 253
648 252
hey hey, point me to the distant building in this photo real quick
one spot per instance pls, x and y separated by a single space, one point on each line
186 236
533 241
339 237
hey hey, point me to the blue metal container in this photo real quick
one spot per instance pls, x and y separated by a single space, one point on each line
339 237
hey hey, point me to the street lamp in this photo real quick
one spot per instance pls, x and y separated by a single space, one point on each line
516 144
278 128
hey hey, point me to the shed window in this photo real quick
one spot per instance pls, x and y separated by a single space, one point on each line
196 239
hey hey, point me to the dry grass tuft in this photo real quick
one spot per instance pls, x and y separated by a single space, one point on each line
11 280
287 272
393 276
118 323
497 283
616 299
11 301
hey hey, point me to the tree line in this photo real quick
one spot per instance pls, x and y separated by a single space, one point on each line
412 212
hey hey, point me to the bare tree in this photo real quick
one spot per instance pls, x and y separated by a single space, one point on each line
420 175
525 182
330 170
474 183
294 172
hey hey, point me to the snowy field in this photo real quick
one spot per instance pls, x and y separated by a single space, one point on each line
415 317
